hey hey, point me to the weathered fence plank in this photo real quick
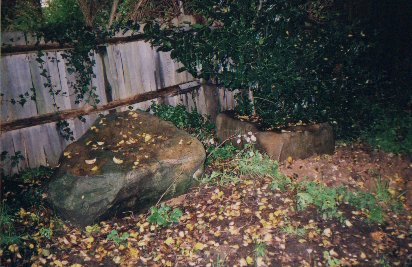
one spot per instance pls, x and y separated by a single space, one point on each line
70 113
133 73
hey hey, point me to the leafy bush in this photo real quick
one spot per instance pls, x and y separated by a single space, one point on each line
178 115
62 12
164 215
182 119
20 15
225 152
304 60
368 202
392 134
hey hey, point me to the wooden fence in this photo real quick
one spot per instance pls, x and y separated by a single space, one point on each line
130 68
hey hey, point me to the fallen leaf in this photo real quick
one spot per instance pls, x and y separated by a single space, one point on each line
327 232
378 235
117 161
249 260
147 137
90 161
95 168
363 255
134 253
199 246
169 241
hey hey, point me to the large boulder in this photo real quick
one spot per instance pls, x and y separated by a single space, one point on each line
298 142
125 161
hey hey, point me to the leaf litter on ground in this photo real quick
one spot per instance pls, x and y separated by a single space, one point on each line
236 222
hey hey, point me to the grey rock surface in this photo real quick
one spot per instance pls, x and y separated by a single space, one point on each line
126 161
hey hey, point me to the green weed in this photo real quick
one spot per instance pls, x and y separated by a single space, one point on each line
46 232
254 163
220 178
331 261
91 229
382 192
118 239
324 198
35 174
7 232
218 262
366 201
164 215
179 116
289 229
221 153
260 249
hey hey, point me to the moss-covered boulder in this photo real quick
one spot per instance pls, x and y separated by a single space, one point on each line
125 161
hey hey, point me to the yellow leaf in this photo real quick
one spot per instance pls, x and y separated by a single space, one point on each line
363 255
134 253
100 143
169 241
90 161
290 159
76 265
249 260
22 212
66 153
134 234
189 226
95 168
13 248
147 137
117 161
199 246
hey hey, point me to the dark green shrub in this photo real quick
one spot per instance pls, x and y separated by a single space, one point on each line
304 60
225 152
392 134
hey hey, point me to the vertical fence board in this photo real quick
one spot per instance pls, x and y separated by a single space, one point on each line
130 69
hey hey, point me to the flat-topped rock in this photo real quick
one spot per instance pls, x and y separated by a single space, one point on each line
125 161
298 142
